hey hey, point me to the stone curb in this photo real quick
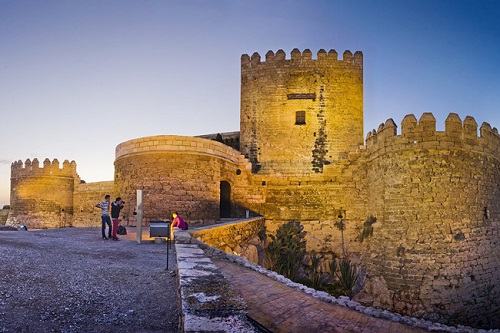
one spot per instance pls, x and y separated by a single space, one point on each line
208 303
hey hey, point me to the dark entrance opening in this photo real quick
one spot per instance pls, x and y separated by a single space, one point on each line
225 199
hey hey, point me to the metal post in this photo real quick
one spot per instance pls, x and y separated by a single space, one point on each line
138 217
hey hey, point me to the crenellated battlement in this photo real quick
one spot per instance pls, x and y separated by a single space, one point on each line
33 168
303 58
423 132
279 87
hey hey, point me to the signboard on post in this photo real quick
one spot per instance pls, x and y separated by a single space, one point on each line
138 217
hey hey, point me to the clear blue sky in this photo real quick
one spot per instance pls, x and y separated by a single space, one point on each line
79 77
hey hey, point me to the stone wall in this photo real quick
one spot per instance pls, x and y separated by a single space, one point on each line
85 197
244 238
327 91
42 197
434 248
436 195
4 213
314 200
176 173
434 251
231 139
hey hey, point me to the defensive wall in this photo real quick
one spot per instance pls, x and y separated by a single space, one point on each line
312 105
219 242
85 197
51 196
435 194
42 196
231 139
176 173
434 248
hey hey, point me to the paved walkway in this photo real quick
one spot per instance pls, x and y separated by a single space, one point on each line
283 309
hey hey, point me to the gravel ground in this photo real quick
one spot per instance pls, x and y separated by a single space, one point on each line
70 280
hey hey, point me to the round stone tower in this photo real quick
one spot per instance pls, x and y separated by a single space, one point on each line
184 174
42 197
300 114
434 250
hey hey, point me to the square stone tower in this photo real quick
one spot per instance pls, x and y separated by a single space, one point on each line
300 114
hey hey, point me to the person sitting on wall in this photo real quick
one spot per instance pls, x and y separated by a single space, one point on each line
116 206
104 205
178 222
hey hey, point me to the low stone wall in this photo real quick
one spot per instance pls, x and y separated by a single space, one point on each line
243 237
220 247
207 301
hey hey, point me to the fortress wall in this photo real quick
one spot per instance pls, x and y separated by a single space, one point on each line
176 174
315 201
85 197
328 90
42 197
4 213
435 249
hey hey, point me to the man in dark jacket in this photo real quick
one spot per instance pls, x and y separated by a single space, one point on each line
116 207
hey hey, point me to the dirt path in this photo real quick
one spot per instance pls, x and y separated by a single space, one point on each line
70 280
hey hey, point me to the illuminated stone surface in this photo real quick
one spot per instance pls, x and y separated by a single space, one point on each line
283 309
435 247
208 303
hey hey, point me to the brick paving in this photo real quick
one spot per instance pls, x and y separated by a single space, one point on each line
283 309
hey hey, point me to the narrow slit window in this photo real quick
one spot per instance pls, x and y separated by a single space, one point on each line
300 118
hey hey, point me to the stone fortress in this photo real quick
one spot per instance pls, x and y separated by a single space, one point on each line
301 155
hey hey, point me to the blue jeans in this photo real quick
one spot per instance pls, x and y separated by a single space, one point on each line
106 220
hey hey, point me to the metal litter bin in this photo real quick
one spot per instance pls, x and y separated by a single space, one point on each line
159 229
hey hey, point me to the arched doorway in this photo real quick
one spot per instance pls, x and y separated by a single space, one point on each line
225 199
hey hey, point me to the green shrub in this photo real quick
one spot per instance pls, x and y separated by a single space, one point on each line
346 273
314 271
287 250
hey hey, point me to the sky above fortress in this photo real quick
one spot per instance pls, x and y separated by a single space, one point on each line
79 77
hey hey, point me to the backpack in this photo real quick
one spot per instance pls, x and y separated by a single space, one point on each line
122 230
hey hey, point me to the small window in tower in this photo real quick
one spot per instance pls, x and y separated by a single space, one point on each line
300 118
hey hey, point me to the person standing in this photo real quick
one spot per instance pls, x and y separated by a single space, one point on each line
105 205
116 207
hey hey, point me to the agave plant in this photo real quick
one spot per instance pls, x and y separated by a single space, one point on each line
313 270
346 273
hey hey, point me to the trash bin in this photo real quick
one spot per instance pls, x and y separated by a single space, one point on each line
159 229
